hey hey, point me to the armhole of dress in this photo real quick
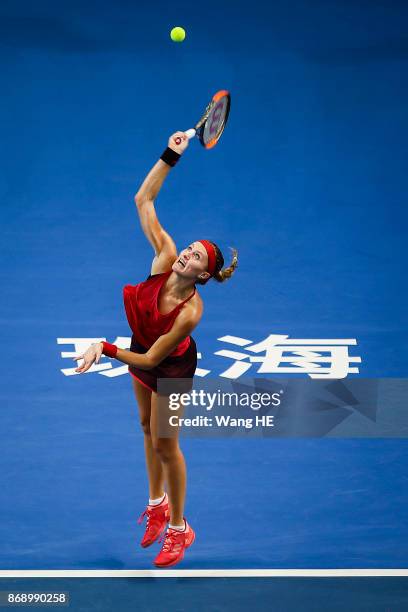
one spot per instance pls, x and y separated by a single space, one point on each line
158 274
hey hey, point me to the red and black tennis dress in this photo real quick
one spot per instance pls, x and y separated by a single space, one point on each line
148 324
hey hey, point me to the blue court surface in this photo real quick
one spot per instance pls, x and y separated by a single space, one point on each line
308 182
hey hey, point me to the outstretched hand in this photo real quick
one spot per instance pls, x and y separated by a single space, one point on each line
177 146
91 355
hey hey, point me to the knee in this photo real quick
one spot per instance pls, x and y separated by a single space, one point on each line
166 449
145 425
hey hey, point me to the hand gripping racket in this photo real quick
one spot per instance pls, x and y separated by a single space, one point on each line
212 123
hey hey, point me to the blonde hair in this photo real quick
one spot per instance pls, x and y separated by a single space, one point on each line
226 273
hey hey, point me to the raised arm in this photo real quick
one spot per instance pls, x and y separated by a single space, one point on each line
162 243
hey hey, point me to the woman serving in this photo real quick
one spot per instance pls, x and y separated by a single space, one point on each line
162 312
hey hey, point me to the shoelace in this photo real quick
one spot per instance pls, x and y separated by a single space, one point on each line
152 516
171 539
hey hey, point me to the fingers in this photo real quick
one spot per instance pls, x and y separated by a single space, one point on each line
92 355
84 367
178 142
80 367
178 137
180 134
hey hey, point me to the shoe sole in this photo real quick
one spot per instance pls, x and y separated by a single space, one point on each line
177 560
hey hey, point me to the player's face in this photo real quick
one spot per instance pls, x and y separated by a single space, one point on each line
192 261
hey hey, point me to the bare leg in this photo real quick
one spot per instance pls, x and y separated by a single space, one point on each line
173 463
154 467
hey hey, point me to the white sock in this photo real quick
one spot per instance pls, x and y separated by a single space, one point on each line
156 502
178 527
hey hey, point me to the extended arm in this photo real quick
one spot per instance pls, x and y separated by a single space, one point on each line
164 345
162 243
184 324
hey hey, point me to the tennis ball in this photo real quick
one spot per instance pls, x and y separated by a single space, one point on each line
177 34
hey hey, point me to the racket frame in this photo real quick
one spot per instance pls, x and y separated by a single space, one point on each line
198 130
200 127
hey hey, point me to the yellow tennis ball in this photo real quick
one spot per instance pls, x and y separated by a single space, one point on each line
177 34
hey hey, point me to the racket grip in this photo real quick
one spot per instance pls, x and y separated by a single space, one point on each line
189 133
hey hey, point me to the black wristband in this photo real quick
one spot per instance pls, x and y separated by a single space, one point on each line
170 157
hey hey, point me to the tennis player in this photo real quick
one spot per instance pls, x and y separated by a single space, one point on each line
162 312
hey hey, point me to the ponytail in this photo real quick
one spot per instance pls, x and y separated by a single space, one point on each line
225 273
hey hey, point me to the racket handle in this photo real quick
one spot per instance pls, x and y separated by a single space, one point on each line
189 133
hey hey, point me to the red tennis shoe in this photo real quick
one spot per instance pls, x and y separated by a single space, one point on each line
156 522
175 543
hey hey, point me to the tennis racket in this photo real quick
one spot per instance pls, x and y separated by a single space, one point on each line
212 123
